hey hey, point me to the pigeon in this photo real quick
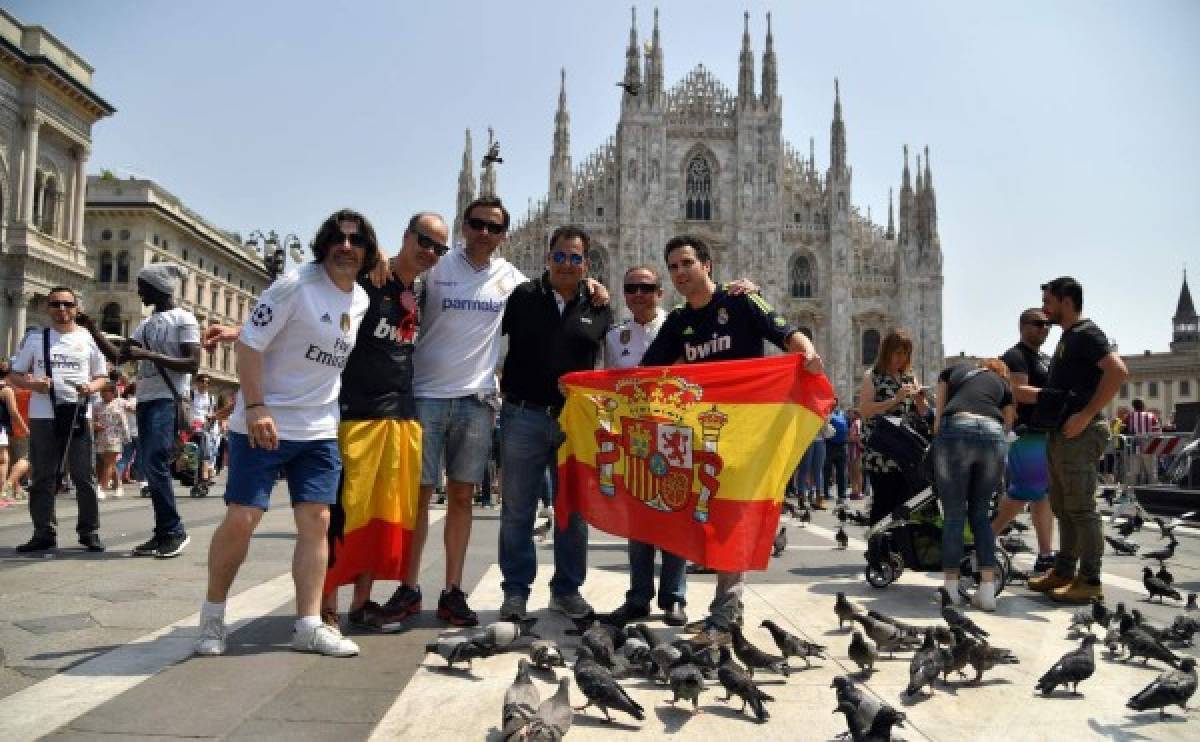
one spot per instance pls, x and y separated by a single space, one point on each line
984 656
953 616
686 680
636 650
925 667
1121 546
1119 613
859 518
1140 622
788 508
845 610
1183 629
1191 602
842 539
862 653
880 729
1166 529
804 516
542 530
1165 575
554 715
887 637
1157 588
1100 611
456 649
1082 620
600 642
957 655
493 154
1171 688
662 653
753 657
912 632
1071 669
1163 555
780 544
737 682
501 635
791 645
521 701
545 654
1138 643
865 705
601 690
1126 527
632 88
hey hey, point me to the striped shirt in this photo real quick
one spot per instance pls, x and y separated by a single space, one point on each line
1142 422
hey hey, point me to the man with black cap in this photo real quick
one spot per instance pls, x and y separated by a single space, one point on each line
166 346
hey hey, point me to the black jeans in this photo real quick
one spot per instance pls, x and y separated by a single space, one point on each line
888 489
45 456
835 467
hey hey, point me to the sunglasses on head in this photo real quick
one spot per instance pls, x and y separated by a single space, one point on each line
356 239
431 244
61 304
643 288
479 225
1043 323
558 256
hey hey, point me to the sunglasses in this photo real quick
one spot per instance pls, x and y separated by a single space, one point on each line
479 225
61 304
642 288
558 256
1042 323
356 239
431 244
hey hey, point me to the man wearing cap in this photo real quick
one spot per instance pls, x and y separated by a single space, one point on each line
166 346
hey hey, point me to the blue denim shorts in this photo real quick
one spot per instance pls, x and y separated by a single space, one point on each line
457 431
313 470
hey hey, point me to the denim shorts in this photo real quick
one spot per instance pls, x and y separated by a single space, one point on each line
312 468
457 432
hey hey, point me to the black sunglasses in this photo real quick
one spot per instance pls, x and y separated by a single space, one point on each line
61 304
479 225
559 256
356 239
1043 323
431 244
645 288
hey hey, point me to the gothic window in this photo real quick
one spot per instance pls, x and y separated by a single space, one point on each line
870 347
110 319
699 189
123 267
598 265
50 199
106 267
796 217
804 283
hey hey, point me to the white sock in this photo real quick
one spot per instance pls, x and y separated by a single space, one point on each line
212 609
985 596
307 623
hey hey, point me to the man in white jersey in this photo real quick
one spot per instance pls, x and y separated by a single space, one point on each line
290 357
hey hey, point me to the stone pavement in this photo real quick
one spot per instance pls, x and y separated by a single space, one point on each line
96 646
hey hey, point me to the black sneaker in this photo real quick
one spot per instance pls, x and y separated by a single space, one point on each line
172 545
626 613
91 542
37 543
453 608
675 615
1043 564
406 601
150 548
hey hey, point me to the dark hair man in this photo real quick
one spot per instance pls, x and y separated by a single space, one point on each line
1087 373
715 325
62 366
166 347
553 328
289 357
1027 478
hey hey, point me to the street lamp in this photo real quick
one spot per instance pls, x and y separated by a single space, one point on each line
273 251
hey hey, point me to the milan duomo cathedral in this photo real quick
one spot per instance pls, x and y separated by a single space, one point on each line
698 159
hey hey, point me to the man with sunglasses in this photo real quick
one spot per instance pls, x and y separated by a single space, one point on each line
553 328
59 396
290 357
1027 483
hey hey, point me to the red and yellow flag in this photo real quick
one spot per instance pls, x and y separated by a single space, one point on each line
692 458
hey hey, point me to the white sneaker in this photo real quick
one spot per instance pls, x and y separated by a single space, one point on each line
985 597
323 639
955 590
212 636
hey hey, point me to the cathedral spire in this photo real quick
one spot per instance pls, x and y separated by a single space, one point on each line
746 68
466 184
633 65
837 135
770 82
560 158
891 227
906 201
562 120
655 83
930 201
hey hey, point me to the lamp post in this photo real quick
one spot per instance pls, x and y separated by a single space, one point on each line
273 250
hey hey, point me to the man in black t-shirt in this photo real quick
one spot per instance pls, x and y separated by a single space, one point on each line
1089 372
714 325
1027 477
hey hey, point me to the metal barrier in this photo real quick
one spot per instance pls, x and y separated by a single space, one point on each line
1147 458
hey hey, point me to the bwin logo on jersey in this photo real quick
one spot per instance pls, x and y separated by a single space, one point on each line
385 331
716 344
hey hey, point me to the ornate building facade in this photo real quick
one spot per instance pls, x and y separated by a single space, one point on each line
47 110
700 159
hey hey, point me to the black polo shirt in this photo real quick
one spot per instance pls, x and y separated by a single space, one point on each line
1074 365
1021 359
544 344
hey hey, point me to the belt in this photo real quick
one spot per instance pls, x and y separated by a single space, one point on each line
546 409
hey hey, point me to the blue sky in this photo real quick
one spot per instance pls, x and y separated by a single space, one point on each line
1063 134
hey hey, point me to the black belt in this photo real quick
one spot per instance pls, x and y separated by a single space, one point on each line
551 410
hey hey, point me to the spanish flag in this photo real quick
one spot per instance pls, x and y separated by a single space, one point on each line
371 526
691 458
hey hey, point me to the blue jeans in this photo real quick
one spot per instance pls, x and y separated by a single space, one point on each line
672 582
968 461
812 469
529 442
156 443
128 461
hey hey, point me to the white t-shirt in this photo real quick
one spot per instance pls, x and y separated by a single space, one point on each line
165 333
459 344
75 359
626 343
305 327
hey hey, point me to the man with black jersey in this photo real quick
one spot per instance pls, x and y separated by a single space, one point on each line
714 325
1087 372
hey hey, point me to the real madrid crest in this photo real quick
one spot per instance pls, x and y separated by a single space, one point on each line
345 322
722 316
626 335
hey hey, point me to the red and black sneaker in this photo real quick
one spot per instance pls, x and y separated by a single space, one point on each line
453 608
405 602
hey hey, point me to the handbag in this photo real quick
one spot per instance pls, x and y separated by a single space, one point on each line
183 407
69 417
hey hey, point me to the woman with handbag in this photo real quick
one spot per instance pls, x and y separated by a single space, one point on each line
975 409
889 388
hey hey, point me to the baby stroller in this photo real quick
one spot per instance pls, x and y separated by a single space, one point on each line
192 454
911 537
